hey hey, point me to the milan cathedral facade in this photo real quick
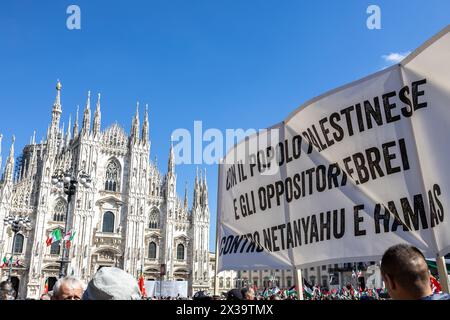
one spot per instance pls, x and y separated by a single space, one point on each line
131 216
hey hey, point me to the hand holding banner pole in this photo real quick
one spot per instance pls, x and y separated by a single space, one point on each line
443 277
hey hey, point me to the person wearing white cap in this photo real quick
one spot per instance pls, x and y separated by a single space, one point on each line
111 283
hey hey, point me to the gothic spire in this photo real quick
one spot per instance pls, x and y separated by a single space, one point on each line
11 149
61 132
75 125
68 135
196 191
196 179
145 137
171 162
9 167
57 104
86 129
135 126
56 112
200 189
61 135
185 197
205 191
97 117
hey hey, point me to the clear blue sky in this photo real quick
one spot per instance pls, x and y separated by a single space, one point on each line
229 63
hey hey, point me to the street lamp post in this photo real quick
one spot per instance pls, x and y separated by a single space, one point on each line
68 181
17 223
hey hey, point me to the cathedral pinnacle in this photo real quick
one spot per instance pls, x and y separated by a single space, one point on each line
145 130
196 191
135 125
98 102
97 117
11 149
56 113
57 104
9 167
171 164
68 134
185 196
87 116
75 125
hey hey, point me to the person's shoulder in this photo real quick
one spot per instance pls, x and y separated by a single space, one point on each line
438 296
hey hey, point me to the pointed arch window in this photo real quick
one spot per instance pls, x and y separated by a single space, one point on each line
55 248
112 177
108 222
59 212
180 252
18 243
152 250
153 221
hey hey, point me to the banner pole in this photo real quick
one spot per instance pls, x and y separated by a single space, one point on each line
216 265
216 254
443 277
299 282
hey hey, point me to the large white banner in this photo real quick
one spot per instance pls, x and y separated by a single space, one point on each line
347 175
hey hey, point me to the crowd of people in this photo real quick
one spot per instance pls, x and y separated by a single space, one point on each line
403 268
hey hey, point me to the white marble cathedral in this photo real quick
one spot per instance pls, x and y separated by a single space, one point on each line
131 218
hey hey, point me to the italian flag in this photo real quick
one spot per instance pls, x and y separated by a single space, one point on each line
53 237
6 262
69 237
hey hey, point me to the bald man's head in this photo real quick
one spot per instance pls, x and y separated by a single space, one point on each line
405 272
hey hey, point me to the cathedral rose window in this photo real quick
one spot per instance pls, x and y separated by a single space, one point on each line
153 219
59 213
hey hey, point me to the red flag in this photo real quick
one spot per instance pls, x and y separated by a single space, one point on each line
435 285
141 286
46 286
